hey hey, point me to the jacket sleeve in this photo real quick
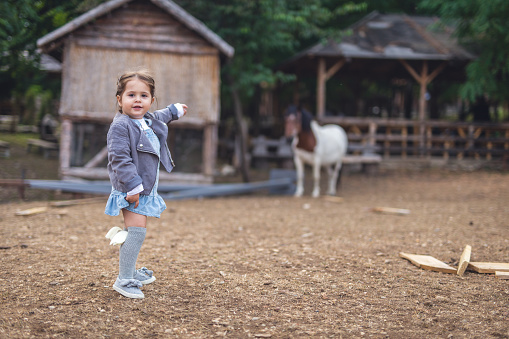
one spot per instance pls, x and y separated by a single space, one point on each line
119 157
167 114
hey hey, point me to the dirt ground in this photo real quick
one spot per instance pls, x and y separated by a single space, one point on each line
269 266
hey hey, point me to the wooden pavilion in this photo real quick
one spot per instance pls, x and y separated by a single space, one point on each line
399 48
95 48
387 46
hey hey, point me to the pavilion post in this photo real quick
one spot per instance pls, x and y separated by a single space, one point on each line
324 74
423 80
320 89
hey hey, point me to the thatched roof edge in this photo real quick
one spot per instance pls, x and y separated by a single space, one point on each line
80 21
196 25
169 6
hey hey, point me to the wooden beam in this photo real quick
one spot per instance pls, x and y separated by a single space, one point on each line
391 210
209 149
410 70
149 46
464 260
428 37
321 81
32 211
103 153
488 267
501 275
333 70
320 89
77 202
65 144
20 184
423 80
422 91
229 189
428 263
436 72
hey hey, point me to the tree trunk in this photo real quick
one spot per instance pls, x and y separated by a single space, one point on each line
241 128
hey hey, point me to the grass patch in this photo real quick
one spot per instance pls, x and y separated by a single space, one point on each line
19 139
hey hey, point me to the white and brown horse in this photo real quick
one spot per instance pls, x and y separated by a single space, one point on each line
315 145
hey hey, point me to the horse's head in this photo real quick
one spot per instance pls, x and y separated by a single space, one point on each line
297 120
293 122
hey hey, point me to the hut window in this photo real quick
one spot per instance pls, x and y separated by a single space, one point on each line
186 147
88 139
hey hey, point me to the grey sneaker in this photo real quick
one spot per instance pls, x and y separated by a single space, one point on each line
129 288
144 275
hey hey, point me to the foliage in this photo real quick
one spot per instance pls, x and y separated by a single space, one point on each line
266 32
483 26
17 46
22 22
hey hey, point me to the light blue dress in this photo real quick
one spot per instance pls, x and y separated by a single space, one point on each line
151 205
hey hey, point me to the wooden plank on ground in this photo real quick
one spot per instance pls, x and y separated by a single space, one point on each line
489 267
428 262
332 198
502 275
391 210
464 260
32 211
77 202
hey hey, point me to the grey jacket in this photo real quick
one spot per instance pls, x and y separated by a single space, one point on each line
131 158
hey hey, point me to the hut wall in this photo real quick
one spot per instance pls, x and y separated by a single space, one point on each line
89 86
139 35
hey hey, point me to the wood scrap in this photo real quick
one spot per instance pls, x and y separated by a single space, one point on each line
464 260
428 262
78 202
501 275
488 267
391 210
331 198
32 211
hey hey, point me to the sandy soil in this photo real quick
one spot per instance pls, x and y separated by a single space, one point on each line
269 266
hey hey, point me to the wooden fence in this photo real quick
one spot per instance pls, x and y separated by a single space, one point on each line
402 138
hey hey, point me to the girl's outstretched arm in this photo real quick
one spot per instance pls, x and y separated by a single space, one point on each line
171 112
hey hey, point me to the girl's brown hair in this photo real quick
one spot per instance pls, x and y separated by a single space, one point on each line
143 75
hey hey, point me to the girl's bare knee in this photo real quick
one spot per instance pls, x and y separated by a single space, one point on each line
132 219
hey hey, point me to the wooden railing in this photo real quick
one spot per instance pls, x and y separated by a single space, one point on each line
402 138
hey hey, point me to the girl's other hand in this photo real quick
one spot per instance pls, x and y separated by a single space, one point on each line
184 106
133 198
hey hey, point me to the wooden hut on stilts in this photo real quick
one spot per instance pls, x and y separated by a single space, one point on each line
97 47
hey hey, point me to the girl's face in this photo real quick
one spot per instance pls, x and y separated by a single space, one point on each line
136 99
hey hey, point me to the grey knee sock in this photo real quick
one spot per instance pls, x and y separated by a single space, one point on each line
129 252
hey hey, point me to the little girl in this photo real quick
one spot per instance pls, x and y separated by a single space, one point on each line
136 147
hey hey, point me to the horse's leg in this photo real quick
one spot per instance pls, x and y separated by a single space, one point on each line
316 178
299 166
330 180
333 178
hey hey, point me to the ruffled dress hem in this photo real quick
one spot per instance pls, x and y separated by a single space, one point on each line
149 205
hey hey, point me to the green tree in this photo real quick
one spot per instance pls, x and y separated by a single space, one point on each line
483 27
22 22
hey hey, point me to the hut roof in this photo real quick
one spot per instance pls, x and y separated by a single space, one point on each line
392 36
50 64
167 5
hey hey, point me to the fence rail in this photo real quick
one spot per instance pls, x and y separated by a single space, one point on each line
428 138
